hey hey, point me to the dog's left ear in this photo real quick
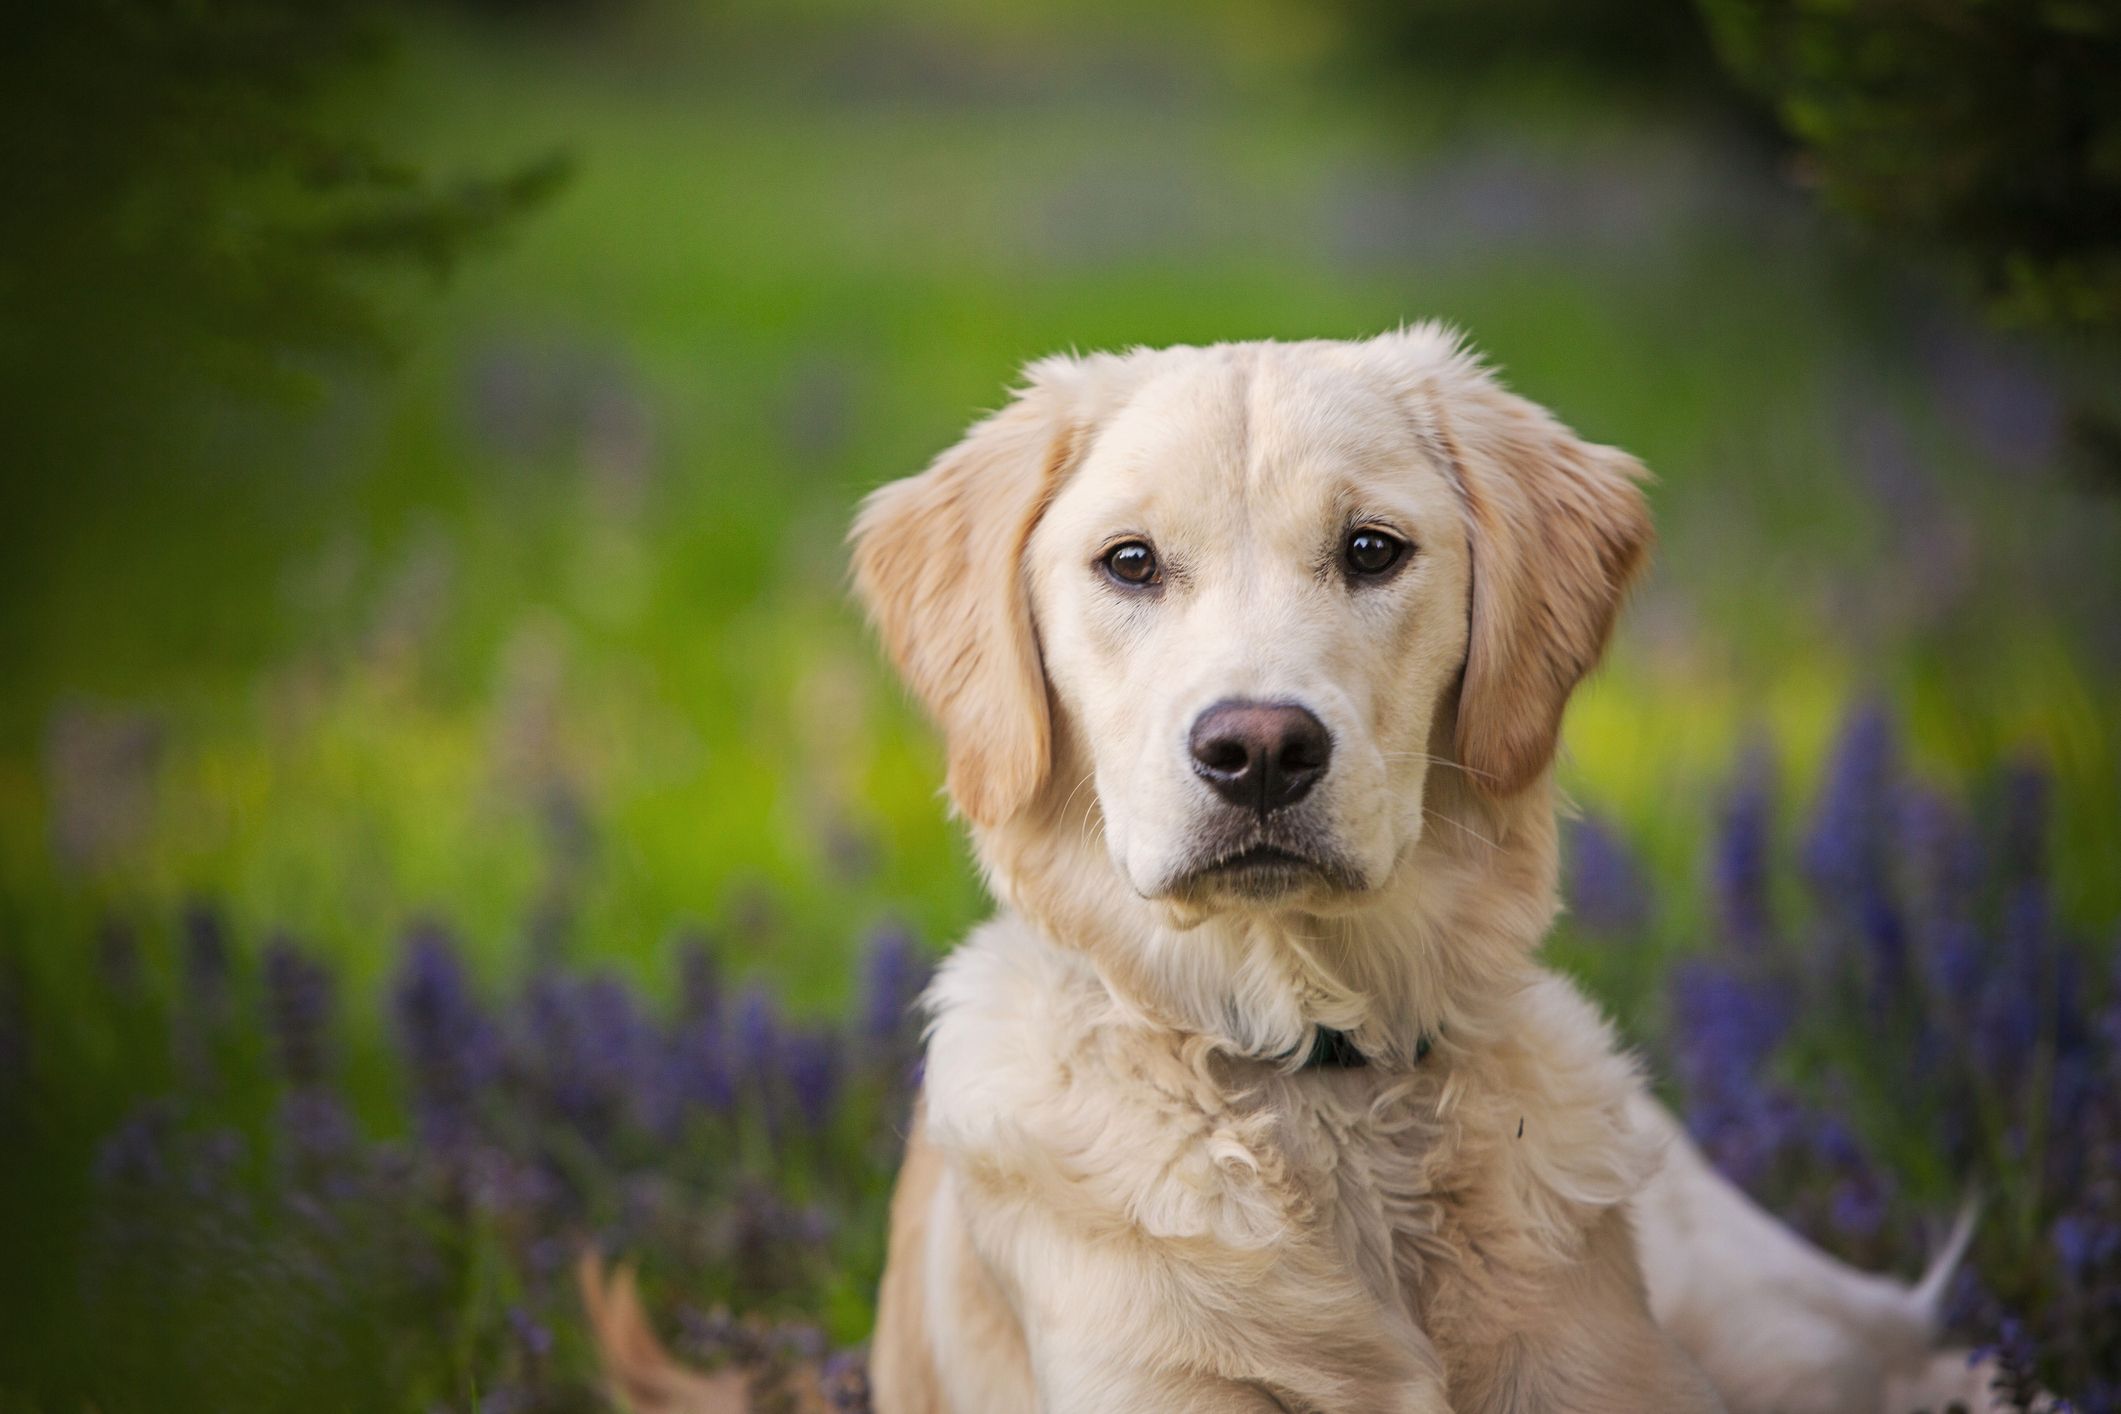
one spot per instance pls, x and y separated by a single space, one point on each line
938 564
1559 530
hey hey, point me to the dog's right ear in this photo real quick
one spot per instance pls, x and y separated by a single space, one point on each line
938 564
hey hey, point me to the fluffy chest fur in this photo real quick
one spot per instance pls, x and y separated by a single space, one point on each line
1447 1196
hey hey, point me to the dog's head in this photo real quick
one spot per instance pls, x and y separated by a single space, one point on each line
1240 611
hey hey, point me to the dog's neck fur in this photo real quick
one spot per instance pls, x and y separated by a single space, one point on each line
1430 953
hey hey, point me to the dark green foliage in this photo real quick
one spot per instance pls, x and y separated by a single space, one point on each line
182 216
1984 129
1637 46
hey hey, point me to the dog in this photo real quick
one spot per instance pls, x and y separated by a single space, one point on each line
1250 664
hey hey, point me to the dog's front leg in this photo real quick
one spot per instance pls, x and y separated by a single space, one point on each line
1087 1381
1080 1381
1129 1325
1190 1357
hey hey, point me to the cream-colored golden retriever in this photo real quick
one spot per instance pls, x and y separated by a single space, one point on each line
1250 662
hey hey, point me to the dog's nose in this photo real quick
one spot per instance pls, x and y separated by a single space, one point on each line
1260 755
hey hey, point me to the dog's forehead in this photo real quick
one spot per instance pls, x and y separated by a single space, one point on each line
1301 420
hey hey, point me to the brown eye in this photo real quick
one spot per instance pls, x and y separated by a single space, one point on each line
1370 553
1132 563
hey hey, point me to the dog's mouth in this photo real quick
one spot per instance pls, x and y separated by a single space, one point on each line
1262 859
1264 869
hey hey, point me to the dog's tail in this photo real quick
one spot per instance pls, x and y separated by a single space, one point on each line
644 1376
647 1379
1929 1294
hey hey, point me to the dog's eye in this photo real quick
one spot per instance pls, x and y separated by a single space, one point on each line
1132 563
1371 552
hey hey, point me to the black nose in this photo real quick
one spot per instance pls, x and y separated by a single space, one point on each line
1260 755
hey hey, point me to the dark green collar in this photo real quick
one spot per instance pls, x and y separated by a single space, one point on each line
1335 1050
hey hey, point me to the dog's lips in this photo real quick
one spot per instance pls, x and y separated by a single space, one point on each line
1264 859
1262 869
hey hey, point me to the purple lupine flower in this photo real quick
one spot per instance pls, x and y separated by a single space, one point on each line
1882 961
893 975
758 1058
209 960
1950 960
2085 1242
450 1044
1955 959
1859 1195
2025 811
500 1184
2017 998
1942 871
810 1060
586 1049
1882 447
758 1036
699 978
1741 874
800 1340
697 1055
549 1255
214 1158
206 968
299 1003
846 1382
2010 404
1758 1132
770 1242
1858 1206
570 831
1941 851
1607 891
137 1152
708 1337
1969 1304
1848 858
531 1334
118 958
2017 1359
1845 850
1726 1025
652 1207
615 1038
318 1133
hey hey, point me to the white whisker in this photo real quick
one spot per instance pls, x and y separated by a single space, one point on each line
1438 761
1445 819
1082 835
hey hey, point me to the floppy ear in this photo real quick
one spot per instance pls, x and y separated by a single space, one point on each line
938 564
1559 531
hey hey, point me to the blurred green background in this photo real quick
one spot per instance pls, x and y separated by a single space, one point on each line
529 614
